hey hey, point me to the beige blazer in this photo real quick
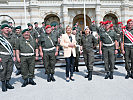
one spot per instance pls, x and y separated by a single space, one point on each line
65 41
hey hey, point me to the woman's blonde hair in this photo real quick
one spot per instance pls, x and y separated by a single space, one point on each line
67 28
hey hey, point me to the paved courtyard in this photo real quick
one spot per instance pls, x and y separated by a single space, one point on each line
80 89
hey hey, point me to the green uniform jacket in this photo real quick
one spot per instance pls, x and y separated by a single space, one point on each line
23 47
10 40
46 43
88 42
34 34
105 38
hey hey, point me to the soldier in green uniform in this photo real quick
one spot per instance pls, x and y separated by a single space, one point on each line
26 48
78 43
38 29
43 28
10 31
127 49
6 57
10 25
119 32
48 46
108 47
56 30
88 42
101 28
113 28
61 30
16 36
34 34
93 27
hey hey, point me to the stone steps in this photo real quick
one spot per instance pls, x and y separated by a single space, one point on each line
61 61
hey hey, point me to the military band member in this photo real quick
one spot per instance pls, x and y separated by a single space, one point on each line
108 47
127 49
88 42
6 57
26 49
48 46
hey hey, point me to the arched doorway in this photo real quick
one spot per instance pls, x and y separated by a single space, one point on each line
52 19
80 19
6 19
111 17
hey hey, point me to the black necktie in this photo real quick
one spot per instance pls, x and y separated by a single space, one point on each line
70 37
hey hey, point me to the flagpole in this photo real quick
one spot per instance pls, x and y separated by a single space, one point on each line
84 15
25 13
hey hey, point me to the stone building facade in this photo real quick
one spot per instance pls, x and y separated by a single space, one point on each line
66 12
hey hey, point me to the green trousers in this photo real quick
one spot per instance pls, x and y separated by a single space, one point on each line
128 56
89 59
7 64
109 58
27 67
49 62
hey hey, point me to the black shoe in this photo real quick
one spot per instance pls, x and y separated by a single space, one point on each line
90 76
77 70
128 75
115 68
4 88
86 76
107 75
111 75
8 85
31 81
19 72
25 83
48 78
131 75
52 78
72 79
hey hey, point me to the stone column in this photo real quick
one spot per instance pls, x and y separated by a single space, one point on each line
98 17
34 11
125 11
65 16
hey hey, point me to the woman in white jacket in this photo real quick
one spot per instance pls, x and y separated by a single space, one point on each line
68 42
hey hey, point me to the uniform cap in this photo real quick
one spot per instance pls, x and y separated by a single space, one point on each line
29 24
48 26
4 25
111 25
36 23
101 22
119 23
129 21
107 22
9 22
24 31
43 22
93 21
18 27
